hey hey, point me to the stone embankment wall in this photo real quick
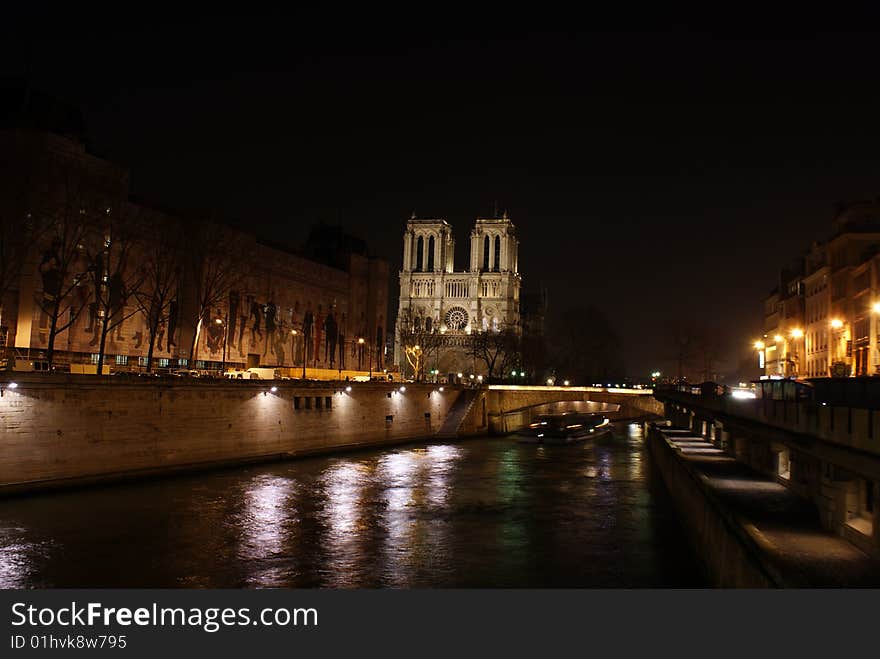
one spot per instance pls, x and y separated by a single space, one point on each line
730 559
73 429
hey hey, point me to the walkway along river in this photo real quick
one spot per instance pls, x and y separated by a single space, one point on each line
484 512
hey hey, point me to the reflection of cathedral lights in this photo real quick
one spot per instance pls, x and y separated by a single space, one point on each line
265 510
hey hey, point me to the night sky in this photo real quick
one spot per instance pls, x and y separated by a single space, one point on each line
655 173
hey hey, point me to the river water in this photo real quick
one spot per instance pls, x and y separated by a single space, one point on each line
482 512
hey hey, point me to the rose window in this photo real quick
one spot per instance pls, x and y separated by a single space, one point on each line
456 318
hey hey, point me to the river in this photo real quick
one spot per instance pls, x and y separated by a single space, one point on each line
484 512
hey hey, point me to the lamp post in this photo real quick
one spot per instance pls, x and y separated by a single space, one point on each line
797 334
293 335
762 355
360 352
781 349
837 334
225 324
875 308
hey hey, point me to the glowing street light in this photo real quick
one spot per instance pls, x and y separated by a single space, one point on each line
836 323
759 345
875 307
797 333
778 338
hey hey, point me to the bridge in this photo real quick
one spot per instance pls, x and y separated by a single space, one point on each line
506 408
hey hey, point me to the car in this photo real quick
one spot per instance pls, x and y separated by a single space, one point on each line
258 373
186 373
237 374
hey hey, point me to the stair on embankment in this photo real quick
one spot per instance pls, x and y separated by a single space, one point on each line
457 414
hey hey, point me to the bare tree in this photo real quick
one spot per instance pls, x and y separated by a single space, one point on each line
586 346
114 275
421 342
682 346
21 228
495 349
64 265
162 266
216 262
695 350
708 352
17 236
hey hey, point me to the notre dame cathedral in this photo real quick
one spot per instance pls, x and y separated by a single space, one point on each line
453 306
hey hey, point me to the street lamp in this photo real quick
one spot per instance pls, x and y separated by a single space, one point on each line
797 334
220 321
838 364
781 353
759 346
293 335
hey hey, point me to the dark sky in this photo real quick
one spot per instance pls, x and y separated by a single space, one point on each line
658 172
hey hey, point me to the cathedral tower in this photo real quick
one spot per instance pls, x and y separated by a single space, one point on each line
445 307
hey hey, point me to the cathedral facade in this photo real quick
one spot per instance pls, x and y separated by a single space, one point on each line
450 307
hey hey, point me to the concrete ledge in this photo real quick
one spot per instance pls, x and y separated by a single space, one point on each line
749 530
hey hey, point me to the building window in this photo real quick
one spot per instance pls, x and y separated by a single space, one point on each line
497 254
486 253
164 362
95 357
860 512
183 362
431 254
783 464
420 248
142 361
122 360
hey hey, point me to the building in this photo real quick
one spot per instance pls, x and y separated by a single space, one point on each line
822 320
784 325
817 307
451 308
83 274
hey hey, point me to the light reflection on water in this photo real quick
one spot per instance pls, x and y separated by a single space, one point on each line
479 513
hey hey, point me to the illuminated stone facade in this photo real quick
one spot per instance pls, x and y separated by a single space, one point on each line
279 309
457 304
823 319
